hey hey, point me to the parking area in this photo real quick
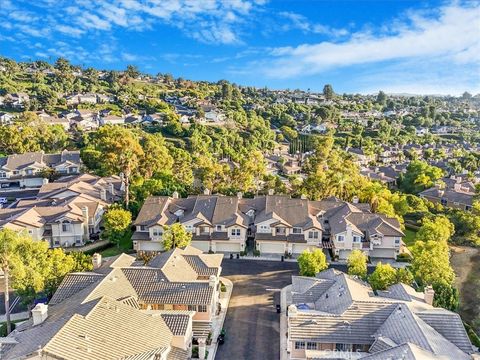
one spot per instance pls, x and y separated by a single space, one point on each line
252 324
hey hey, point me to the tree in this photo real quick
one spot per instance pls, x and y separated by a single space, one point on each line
328 92
446 296
176 236
132 72
431 263
437 229
116 150
381 98
8 259
383 276
156 157
116 222
357 263
312 262
404 276
419 176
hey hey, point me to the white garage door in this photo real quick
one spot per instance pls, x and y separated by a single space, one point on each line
343 254
299 248
227 247
149 246
383 253
201 245
272 248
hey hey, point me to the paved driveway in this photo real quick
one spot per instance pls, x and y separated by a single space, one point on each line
252 323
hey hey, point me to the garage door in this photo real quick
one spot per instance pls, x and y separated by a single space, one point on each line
272 248
299 248
343 254
201 245
383 253
149 246
227 247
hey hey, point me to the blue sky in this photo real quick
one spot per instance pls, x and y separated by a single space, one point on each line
429 47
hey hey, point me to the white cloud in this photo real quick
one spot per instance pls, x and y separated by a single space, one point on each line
452 32
300 22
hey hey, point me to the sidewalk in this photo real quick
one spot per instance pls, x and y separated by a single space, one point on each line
218 320
283 323
264 258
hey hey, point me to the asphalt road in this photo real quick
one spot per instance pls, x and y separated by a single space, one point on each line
252 324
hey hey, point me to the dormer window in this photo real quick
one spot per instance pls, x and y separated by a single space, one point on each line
297 230
313 234
218 228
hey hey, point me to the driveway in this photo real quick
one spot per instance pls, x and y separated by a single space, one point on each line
252 324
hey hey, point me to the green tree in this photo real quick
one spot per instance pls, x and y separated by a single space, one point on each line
431 263
328 92
381 98
176 236
357 264
383 276
116 221
419 176
437 229
446 296
312 262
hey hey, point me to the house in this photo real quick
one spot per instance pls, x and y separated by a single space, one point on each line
456 193
212 115
54 120
84 119
76 99
360 156
421 131
17 100
273 224
216 222
112 120
290 165
389 182
65 213
24 170
88 315
6 118
309 128
337 314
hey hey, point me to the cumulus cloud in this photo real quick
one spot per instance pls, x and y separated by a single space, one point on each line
451 32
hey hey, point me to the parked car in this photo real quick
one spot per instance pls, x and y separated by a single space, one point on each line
3 200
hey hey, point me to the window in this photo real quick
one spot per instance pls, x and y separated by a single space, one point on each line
280 230
397 241
143 228
340 238
66 226
202 308
56 242
192 307
343 347
299 345
311 345
356 239
157 232
325 221
313 234
219 227
235 232
15 172
3 175
297 230
29 171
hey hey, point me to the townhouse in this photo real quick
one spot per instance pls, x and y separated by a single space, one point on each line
65 213
163 305
334 315
272 224
24 170
457 193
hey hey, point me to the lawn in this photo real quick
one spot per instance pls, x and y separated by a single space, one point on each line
410 236
125 245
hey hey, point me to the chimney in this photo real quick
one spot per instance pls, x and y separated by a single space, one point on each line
206 192
271 191
111 188
103 194
292 310
175 195
355 200
44 181
85 222
39 313
96 260
239 195
429 293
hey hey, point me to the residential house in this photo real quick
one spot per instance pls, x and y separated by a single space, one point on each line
6 118
456 193
334 314
272 224
89 313
214 115
216 222
112 120
360 156
54 120
17 100
84 119
25 170
66 212
88 98
380 176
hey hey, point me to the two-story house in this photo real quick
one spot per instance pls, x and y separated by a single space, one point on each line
215 221
334 315
24 170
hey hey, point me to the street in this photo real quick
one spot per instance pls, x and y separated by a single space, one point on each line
252 324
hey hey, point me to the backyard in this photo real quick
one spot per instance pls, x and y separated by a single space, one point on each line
125 245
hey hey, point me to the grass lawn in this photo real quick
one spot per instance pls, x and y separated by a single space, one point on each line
410 236
125 246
